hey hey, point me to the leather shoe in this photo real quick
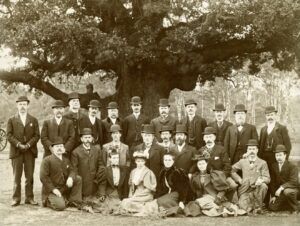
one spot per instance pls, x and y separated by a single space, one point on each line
31 202
15 203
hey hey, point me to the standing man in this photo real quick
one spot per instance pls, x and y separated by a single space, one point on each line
58 126
284 182
164 119
166 136
195 124
91 121
87 162
23 134
75 115
220 124
238 135
132 124
112 119
255 177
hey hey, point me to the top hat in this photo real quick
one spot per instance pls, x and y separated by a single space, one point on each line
115 128
22 98
140 154
94 103
280 148
219 107
57 140
239 108
165 129
73 95
58 104
189 102
149 129
86 131
136 100
252 142
112 105
164 103
209 130
181 129
270 109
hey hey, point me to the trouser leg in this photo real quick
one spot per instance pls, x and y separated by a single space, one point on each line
259 195
29 163
76 191
291 197
17 165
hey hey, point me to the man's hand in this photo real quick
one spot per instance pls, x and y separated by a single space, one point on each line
56 192
240 181
190 176
22 146
181 205
278 191
272 200
69 182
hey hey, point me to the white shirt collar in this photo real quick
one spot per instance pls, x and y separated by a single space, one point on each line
180 147
92 119
136 115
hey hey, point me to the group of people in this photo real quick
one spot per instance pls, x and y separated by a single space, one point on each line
162 166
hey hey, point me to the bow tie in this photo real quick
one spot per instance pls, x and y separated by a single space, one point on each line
251 162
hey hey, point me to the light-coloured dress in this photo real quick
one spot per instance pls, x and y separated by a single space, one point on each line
142 185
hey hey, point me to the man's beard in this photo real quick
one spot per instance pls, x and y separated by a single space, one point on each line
180 141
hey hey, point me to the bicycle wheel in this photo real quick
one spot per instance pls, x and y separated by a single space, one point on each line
3 139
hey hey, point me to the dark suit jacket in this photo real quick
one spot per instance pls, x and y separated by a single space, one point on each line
199 125
183 159
131 129
86 123
51 130
18 133
107 123
220 131
281 136
231 142
287 177
155 161
107 182
55 172
88 166
158 123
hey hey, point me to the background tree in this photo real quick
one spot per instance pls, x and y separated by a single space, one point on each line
152 46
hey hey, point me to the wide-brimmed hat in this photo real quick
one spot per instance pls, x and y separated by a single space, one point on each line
112 105
219 107
22 98
149 129
94 104
199 157
280 148
136 100
181 129
270 109
164 103
57 140
140 154
239 108
73 95
58 104
252 142
86 131
115 128
189 102
209 130
166 129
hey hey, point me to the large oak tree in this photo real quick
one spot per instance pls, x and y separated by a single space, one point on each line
152 46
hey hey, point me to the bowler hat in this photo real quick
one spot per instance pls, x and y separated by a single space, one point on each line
165 129
86 131
57 140
94 103
219 107
22 98
189 102
280 148
209 130
136 100
239 108
139 154
149 129
58 104
164 103
73 95
252 142
270 109
199 157
115 128
181 129
112 105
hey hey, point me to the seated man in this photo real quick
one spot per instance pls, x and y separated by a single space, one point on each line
113 184
284 182
255 177
87 162
59 179
166 136
173 189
